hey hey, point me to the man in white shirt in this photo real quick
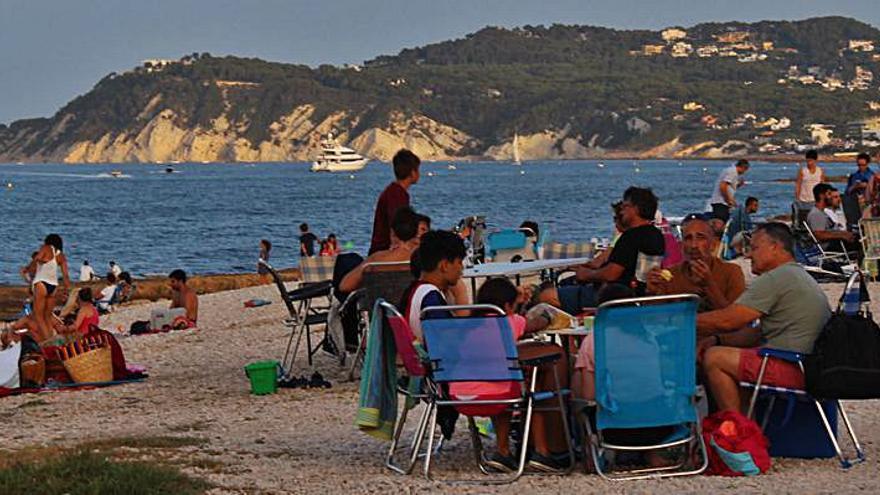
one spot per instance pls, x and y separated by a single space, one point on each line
115 269
86 273
105 301
723 199
832 209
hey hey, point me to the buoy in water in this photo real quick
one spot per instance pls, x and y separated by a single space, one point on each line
705 169
9 185
600 165
638 170
522 172
351 176
430 174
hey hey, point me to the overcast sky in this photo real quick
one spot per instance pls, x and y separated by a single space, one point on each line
52 51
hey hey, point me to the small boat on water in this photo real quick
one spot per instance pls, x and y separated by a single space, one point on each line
337 158
516 159
451 167
116 173
169 170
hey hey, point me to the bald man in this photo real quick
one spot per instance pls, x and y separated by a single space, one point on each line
717 282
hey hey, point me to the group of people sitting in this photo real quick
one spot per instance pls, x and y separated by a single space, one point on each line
783 307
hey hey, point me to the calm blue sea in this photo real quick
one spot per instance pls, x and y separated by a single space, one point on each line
209 218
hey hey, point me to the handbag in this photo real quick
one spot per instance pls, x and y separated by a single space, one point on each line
735 445
845 363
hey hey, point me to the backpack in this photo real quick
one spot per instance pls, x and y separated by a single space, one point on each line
845 363
735 445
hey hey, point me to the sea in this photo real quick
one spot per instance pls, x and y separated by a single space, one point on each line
209 218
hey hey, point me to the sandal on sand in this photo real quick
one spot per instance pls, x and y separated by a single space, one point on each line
318 381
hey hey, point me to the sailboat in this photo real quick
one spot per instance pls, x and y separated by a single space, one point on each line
516 160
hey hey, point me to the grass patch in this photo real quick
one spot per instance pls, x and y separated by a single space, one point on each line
84 472
157 442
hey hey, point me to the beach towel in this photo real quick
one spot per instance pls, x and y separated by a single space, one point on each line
9 366
377 405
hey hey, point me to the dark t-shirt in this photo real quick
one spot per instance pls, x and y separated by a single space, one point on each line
393 197
308 242
646 239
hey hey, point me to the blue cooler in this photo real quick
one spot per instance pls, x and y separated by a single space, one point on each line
795 428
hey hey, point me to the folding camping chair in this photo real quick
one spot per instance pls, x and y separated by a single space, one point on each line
559 251
381 280
646 377
510 245
481 349
869 231
412 361
850 303
302 313
816 261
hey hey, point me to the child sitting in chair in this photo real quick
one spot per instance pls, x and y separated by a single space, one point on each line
547 432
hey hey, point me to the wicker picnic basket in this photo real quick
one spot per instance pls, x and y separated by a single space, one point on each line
88 360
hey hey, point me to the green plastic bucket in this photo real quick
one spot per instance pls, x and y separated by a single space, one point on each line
263 376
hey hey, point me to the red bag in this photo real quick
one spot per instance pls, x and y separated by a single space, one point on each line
736 446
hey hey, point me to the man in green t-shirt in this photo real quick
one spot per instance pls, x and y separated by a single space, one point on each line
792 310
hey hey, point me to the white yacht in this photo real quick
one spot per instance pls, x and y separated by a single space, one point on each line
336 158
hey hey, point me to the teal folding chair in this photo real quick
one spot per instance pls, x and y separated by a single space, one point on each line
645 354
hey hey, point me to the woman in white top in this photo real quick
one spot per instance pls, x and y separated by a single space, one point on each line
808 177
47 261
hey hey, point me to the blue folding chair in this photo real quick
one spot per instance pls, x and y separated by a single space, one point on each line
645 378
482 349
850 303
509 245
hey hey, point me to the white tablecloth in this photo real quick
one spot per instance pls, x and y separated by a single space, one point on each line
521 268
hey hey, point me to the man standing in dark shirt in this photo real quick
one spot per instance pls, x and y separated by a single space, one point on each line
639 238
406 173
306 241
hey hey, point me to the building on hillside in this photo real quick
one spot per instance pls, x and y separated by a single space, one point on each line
862 80
874 105
767 46
820 134
650 50
707 51
782 123
692 106
833 84
682 49
709 121
673 34
157 64
861 45
864 131
732 37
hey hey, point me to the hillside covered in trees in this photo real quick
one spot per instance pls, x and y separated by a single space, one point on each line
567 91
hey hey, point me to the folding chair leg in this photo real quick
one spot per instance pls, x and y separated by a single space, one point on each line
844 462
415 444
758 382
357 358
563 413
860 454
432 427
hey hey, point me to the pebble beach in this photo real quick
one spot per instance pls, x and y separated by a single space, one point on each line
304 441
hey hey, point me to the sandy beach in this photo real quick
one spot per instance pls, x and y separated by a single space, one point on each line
304 441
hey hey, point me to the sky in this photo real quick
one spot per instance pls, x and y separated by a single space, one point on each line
52 51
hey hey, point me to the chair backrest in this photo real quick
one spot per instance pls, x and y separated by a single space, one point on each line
646 361
559 251
279 284
385 281
476 348
404 339
506 239
869 228
316 268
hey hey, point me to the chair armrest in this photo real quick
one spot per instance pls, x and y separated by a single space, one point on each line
790 356
309 291
539 360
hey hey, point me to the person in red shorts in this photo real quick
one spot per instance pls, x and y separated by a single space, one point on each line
395 196
792 311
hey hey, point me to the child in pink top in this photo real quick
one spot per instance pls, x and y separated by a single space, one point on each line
502 293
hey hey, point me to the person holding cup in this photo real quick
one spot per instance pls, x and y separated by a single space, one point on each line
717 282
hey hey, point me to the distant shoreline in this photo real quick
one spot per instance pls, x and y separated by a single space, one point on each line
783 158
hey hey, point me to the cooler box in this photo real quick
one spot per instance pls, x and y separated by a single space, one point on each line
798 434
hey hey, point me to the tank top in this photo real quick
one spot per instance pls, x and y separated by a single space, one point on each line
47 272
808 182
87 322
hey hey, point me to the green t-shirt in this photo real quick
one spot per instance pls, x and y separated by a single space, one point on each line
793 308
